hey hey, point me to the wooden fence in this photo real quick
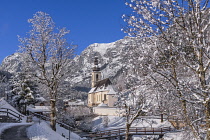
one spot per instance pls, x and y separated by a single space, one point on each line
7 112
132 131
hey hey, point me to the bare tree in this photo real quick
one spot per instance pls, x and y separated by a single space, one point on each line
180 32
48 54
135 102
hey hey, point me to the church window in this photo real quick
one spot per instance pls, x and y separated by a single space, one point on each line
96 77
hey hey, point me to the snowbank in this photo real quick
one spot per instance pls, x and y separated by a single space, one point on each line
174 136
4 104
42 131
114 122
38 109
65 133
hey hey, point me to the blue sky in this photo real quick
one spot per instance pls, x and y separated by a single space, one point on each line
90 21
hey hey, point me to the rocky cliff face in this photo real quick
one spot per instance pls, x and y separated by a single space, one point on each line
12 63
111 60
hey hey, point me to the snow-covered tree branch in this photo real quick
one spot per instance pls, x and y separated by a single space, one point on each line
180 33
48 55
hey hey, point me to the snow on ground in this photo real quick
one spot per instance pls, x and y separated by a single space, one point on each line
4 104
65 132
174 136
168 136
115 122
38 131
4 126
41 130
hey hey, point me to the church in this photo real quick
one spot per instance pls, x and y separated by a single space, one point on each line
102 92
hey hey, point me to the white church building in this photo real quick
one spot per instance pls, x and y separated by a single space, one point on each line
102 95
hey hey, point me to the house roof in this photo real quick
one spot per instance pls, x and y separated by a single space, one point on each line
103 85
38 108
77 102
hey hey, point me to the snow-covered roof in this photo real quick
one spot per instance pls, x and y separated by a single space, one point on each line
111 90
103 85
66 100
102 105
41 99
38 108
77 102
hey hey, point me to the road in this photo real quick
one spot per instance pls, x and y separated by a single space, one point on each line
15 133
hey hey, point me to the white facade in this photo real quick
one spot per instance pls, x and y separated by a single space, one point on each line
102 93
104 110
102 90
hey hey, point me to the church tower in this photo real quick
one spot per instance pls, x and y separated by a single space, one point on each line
96 73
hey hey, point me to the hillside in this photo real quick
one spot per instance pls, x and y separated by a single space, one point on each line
111 59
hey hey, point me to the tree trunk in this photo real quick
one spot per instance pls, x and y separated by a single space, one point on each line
127 137
53 114
202 77
207 112
183 103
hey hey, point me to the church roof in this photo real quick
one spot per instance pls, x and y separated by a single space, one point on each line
103 85
104 82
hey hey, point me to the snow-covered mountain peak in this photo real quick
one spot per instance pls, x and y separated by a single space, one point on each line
102 47
111 58
12 57
13 63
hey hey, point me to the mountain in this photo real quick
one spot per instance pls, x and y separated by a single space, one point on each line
111 60
12 63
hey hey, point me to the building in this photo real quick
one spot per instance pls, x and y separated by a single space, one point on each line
101 89
104 110
41 101
76 102
43 110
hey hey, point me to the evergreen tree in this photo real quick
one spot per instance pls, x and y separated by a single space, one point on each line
23 91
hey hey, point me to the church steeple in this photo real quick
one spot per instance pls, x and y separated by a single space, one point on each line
96 73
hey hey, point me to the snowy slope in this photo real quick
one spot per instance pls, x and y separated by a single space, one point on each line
41 130
115 122
12 63
112 61
4 104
